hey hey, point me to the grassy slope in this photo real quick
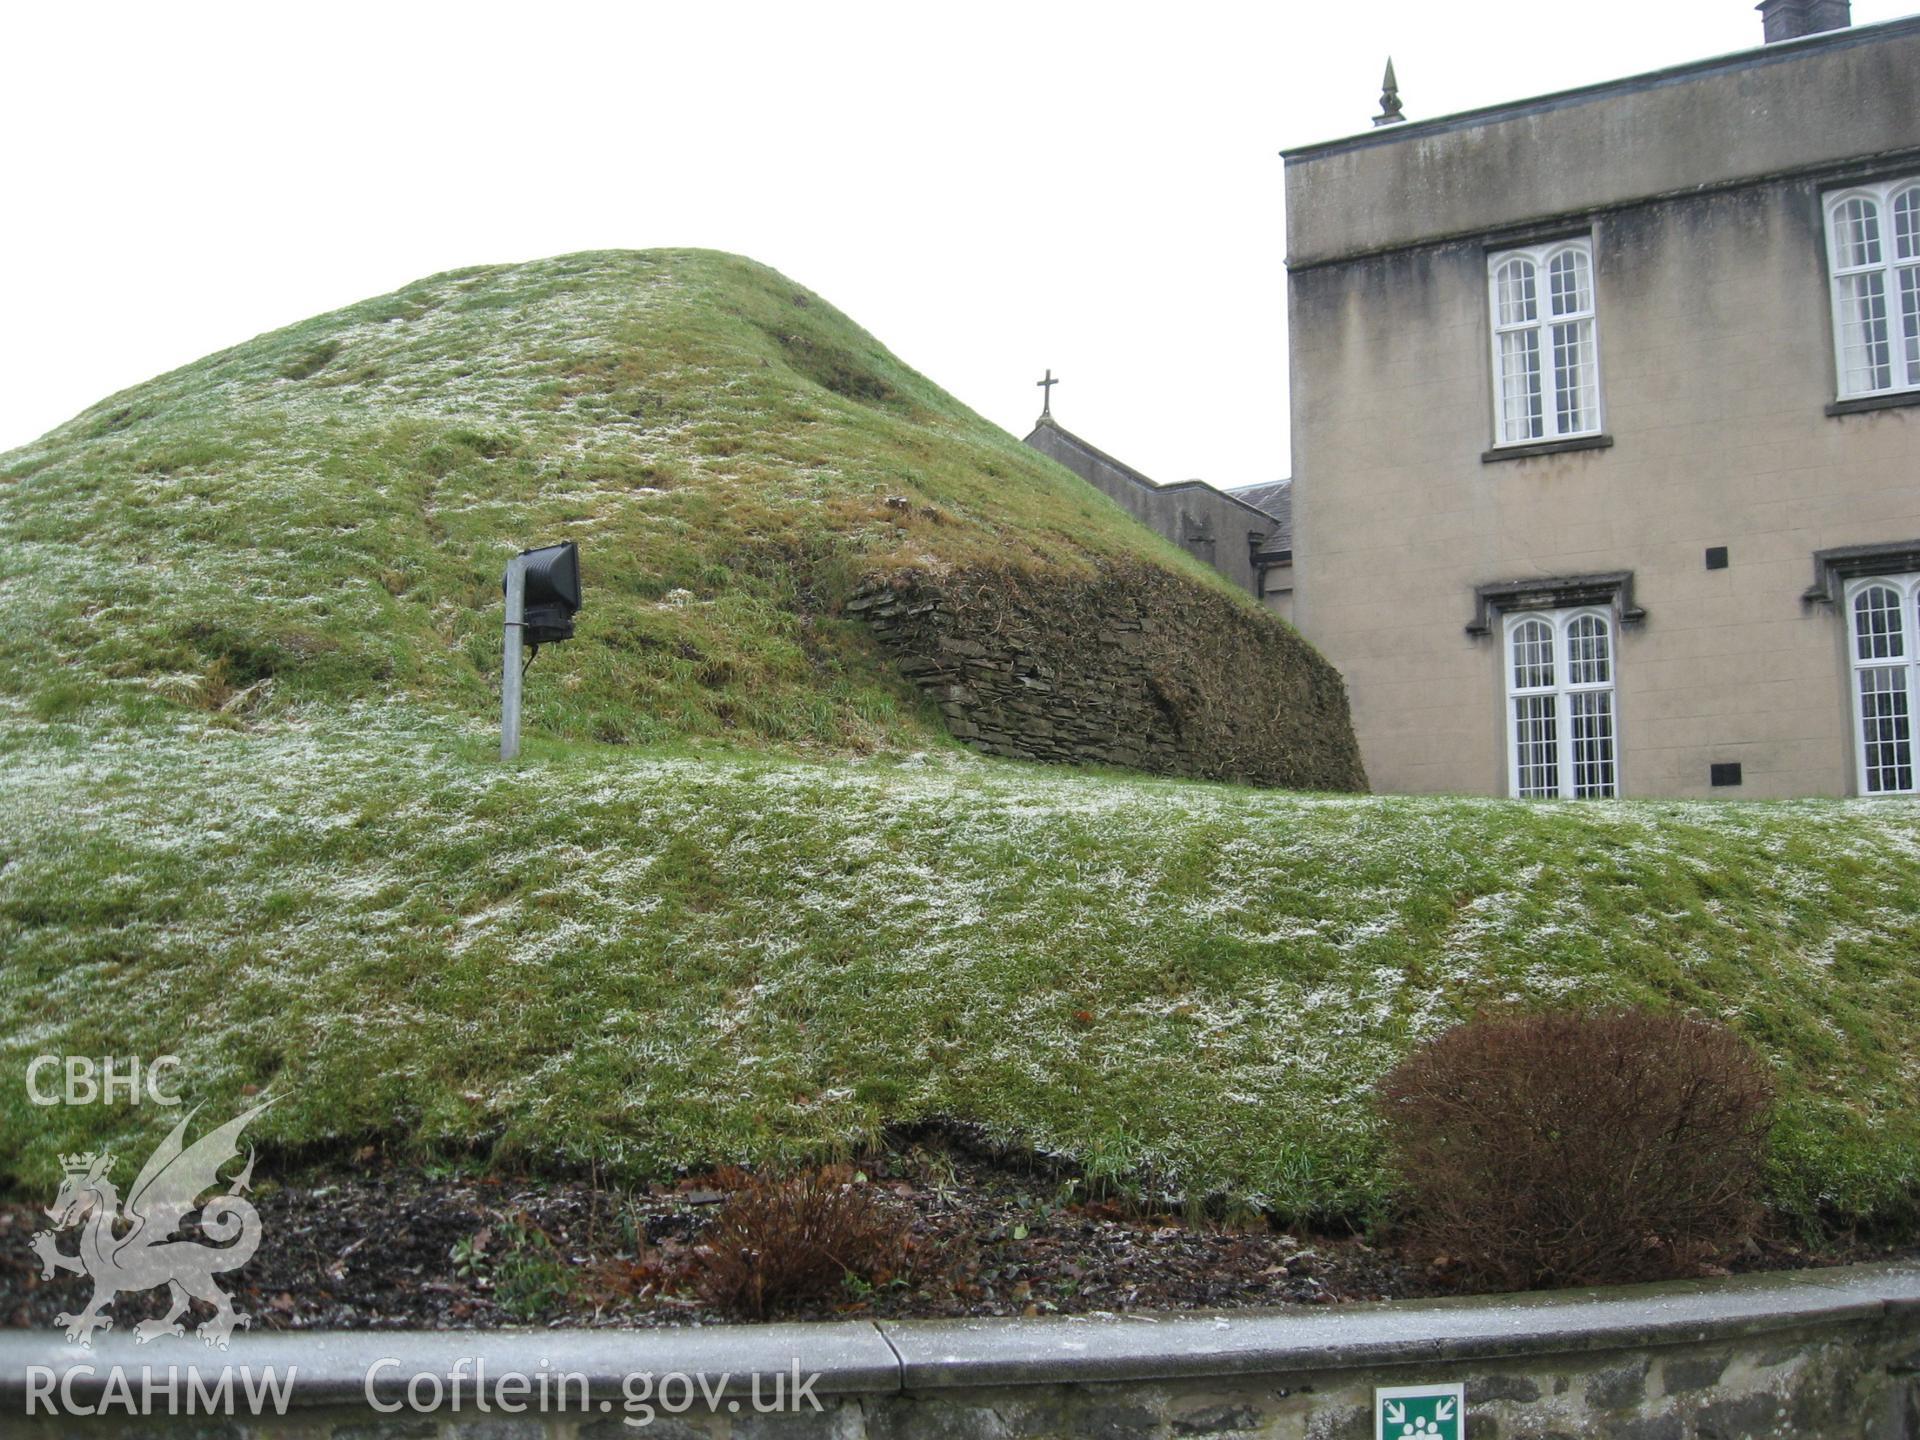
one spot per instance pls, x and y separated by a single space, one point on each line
701 958
247 814
327 509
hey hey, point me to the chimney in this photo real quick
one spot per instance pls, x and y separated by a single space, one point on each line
1790 19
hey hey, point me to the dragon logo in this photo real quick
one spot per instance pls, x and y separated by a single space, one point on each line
144 1254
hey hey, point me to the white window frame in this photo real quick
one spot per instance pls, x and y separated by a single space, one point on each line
1541 327
1905 666
1562 691
1900 307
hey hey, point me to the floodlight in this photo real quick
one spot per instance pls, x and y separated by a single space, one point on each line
543 595
553 593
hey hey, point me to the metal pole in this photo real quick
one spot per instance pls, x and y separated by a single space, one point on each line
510 667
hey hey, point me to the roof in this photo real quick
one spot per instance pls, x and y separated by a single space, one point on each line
1274 498
1048 423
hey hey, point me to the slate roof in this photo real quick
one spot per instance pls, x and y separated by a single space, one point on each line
1274 498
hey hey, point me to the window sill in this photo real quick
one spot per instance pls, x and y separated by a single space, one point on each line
1874 402
1546 447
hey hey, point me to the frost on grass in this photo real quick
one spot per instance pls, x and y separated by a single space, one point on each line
326 508
653 961
248 815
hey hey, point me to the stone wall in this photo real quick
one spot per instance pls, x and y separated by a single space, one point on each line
1135 667
1822 1353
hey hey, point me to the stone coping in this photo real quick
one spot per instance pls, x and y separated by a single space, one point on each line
869 1357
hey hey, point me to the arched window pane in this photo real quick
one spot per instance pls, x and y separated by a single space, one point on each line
1910 315
1592 725
1906 249
1874 250
1561 715
1589 658
1569 285
1522 414
1515 285
1886 730
1878 624
1856 233
1546 367
1879 615
1575 377
1532 655
1866 357
1906 224
1536 738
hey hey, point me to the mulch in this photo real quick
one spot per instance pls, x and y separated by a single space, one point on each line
365 1245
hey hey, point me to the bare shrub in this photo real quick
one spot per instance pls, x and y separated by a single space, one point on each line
779 1243
1570 1149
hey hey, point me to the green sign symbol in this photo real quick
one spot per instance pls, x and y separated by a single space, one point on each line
1420 1412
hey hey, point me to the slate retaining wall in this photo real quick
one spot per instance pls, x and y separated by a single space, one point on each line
1134 666
1823 1353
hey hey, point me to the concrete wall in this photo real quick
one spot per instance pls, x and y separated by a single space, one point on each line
1823 1354
1716 372
1277 594
1748 116
1203 521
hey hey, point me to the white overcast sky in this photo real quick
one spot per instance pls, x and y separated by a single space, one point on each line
989 188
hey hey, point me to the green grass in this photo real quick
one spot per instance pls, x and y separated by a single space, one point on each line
743 900
322 514
640 962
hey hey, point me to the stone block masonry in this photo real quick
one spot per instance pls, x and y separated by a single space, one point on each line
1132 666
1827 1353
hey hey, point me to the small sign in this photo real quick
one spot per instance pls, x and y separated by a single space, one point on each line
1420 1412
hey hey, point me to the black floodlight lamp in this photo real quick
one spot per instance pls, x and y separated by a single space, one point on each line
553 593
543 595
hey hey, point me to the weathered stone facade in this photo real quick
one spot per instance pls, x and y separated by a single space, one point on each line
1725 464
1136 667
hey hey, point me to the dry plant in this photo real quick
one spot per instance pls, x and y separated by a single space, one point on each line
1580 1148
781 1242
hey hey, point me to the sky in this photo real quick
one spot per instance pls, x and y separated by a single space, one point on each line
991 189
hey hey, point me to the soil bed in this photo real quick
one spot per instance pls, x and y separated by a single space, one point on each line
368 1246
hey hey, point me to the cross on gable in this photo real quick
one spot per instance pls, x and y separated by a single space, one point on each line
1046 392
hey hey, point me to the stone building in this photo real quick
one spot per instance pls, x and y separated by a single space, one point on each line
1273 558
1607 471
1248 541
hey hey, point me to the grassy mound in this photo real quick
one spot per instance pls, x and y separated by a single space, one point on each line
642 962
321 515
248 814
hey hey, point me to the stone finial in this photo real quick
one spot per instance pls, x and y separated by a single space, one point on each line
1389 99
